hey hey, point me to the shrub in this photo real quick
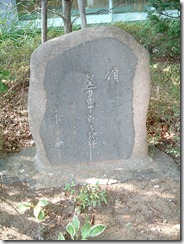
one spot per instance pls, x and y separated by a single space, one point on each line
161 36
165 36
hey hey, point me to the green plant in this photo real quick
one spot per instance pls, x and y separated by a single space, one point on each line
161 5
10 27
8 19
165 27
90 196
166 35
173 151
4 76
38 209
83 233
163 119
87 196
161 36
69 188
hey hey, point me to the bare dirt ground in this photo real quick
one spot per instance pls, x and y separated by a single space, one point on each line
136 210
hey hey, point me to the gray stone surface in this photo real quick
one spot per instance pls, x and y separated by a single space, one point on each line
88 99
20 168
76 107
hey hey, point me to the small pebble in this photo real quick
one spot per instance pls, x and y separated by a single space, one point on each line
156 186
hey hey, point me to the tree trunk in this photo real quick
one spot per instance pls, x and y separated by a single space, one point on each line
66 6
44 20
82 13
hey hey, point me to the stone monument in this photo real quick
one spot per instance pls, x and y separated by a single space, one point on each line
88 99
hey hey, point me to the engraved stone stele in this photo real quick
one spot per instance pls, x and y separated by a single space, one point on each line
88 99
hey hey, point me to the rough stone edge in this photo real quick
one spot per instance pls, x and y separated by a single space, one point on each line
71 40
142 82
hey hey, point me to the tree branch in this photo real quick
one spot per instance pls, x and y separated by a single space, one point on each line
60 15
170 16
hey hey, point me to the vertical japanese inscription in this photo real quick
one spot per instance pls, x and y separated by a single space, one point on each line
59 142
89 90
74 123
113 74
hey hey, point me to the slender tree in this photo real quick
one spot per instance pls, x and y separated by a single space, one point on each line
82 13
66 6
44 20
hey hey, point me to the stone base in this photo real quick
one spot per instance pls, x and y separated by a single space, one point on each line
20 167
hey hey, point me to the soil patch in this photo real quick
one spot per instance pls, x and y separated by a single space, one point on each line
144 205
136 210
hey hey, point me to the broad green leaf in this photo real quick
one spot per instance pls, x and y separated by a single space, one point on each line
39 213
97 230
76 223
61 237
97 184
73 184
71 230
85 230
105 200
42 203
3 87
24 206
